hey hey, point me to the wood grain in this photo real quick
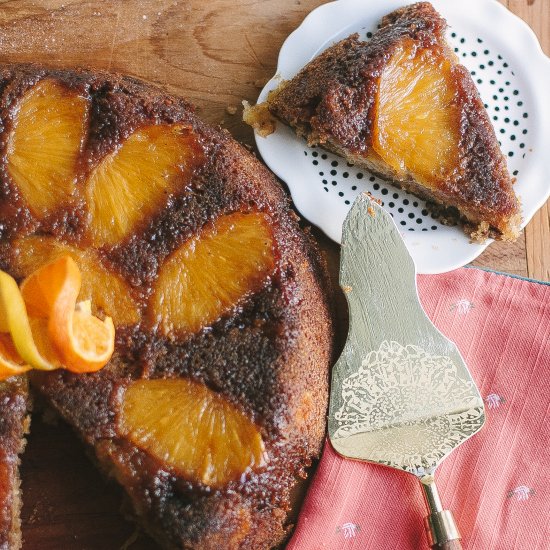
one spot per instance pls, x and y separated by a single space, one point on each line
215 53
536 13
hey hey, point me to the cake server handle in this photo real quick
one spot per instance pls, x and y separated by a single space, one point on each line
440 525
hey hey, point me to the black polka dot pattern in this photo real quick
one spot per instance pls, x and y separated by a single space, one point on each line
507 110
347 181
498 88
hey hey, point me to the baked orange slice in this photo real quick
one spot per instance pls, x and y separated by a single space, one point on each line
194 430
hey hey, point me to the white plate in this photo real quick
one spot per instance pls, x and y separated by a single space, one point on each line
513 78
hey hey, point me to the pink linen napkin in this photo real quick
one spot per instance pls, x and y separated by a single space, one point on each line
496 483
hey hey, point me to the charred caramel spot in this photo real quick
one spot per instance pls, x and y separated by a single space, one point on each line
49 129
417 127
211 272
109 293
191 429
134 183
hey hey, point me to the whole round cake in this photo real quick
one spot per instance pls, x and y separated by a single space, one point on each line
214 401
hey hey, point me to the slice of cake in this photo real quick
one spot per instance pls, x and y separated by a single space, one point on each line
402 106
213 404
14 424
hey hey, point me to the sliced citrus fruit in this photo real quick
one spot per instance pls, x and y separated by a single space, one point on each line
10 361
134 182
43 341
84 342
192 429
90 342
208 274
54 286
14 319
56 283
109 292
43 148
417 129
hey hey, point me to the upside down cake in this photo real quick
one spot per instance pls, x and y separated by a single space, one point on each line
402 106
214 402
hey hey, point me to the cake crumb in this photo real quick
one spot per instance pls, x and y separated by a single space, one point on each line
347 289
259 117
480 233
371 212
231 109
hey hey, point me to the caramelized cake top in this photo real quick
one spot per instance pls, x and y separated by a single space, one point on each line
188 243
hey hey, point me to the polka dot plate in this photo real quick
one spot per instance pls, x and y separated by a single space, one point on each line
513 78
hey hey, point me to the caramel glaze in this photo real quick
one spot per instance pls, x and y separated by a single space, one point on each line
269 356
331 101
14 405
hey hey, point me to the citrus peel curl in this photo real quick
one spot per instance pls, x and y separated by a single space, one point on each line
43 327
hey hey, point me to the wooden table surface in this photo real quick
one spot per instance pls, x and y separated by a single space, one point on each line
216 53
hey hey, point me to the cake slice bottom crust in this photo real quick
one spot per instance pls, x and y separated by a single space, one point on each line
14 424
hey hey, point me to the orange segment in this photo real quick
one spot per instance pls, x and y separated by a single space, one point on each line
134 182
211 272
49 129
90 340
110 293
14 318
417 126
192 429
10 362
84 342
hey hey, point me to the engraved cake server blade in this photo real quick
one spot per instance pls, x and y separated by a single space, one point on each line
401 394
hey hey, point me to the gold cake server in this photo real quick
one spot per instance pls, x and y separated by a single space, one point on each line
401 394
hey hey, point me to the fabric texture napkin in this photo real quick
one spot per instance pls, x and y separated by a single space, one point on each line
497 483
